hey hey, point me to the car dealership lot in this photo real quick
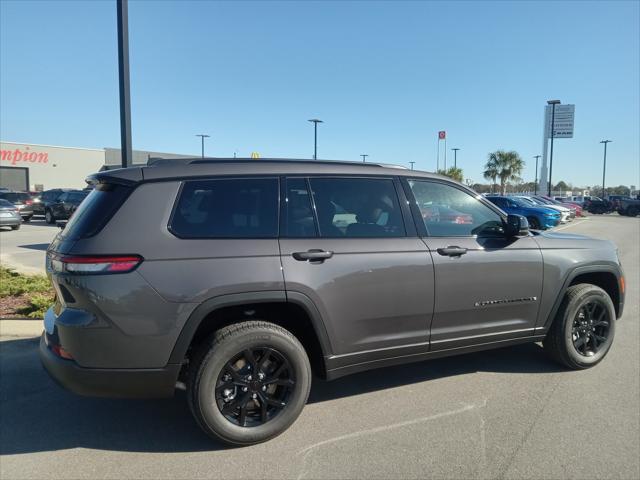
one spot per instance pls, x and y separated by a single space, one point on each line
507 413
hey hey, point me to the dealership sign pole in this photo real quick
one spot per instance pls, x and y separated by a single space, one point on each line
562 118
126 149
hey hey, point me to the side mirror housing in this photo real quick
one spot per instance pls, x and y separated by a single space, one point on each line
516 226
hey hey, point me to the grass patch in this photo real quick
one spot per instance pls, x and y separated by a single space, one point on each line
24 295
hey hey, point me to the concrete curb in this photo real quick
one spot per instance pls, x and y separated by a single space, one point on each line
21 328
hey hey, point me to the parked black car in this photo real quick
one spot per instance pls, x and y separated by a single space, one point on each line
22 201
64 206
598 205
628 206
46 198
9 216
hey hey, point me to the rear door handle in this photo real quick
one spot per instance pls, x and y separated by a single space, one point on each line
452 251
313 255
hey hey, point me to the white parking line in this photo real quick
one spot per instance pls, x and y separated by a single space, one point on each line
573 224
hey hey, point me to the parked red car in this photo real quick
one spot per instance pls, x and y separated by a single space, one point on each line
564 201
440 213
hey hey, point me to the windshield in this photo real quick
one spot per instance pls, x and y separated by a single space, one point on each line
523 202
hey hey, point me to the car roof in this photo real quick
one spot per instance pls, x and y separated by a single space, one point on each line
162 169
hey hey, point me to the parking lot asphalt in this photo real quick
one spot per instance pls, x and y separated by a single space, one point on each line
24 249
508 413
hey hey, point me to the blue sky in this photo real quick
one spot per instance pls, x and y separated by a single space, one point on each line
384 76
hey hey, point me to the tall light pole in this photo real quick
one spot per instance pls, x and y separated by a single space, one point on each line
535 185
315 122
455 157
126 150
202 137
412 165
364 157
553 104
604 165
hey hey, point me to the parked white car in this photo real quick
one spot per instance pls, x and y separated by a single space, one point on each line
565 212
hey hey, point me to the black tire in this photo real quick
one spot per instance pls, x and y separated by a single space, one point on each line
533 223
15 227
209 370
49 217
27 219
632 211
568 328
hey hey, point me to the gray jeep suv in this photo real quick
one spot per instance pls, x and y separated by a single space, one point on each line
236 279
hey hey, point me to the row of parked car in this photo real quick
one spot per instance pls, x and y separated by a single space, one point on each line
542 212
53 205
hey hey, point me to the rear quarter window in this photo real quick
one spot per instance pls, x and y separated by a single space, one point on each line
227 208
95 211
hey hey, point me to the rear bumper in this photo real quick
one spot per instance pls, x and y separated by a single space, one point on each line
10 221
114 383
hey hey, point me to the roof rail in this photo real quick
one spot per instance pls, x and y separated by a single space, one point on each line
197 161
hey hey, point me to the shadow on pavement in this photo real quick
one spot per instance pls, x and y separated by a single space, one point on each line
37 415
36 246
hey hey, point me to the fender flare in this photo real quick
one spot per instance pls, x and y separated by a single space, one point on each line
270 296
580 270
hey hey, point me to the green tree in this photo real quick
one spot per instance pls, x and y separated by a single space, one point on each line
507 166
453 172
562 186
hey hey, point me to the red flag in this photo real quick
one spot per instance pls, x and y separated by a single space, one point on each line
442 135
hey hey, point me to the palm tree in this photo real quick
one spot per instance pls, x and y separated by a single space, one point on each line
453 172
504 165
491 171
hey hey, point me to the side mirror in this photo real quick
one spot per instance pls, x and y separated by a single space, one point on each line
516 226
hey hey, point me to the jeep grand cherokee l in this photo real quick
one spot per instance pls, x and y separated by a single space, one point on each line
239 278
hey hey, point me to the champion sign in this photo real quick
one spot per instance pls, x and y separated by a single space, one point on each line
23 156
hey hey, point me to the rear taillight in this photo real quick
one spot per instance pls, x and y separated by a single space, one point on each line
28 202
95 264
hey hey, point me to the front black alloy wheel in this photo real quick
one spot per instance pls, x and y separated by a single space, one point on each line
591 327
248 382
583 330
254 386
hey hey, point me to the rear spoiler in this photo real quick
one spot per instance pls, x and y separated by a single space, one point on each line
120 176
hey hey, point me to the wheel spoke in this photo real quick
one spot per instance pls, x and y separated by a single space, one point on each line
594 341
248 355
600 338
242 418
233 372
276 403
230 407
265 356
579 342
263 409
284 382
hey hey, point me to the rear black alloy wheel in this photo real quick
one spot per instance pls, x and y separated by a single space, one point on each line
48 216
583 330
254 386
248 382
590 329
533 223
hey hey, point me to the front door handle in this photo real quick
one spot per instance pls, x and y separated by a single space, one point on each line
452 251
313 255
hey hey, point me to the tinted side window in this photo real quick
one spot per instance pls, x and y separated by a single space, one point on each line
227 208
357 207
95 211
63 198
300 222
448 211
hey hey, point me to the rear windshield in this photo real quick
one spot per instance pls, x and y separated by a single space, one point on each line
15 197
95 211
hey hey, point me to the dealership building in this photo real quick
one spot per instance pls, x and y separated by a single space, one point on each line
28 166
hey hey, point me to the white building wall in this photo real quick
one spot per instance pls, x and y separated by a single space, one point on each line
50 166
